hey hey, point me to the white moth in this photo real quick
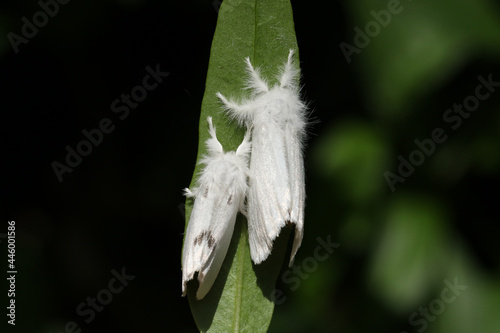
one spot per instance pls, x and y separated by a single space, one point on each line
220 193
276 194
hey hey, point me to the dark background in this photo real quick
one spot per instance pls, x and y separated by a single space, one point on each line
121 207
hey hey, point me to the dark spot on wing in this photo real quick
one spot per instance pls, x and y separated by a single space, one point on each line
205 193
198 239
211 240
205 235
230 199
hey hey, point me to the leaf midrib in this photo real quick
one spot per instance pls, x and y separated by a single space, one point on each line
241 258
238 297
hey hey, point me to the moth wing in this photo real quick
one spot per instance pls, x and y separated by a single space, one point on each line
208 235
269 192
193 252
224 217
295 160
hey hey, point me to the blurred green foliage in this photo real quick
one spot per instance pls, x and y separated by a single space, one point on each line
440 224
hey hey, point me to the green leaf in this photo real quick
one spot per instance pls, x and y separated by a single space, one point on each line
241 299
